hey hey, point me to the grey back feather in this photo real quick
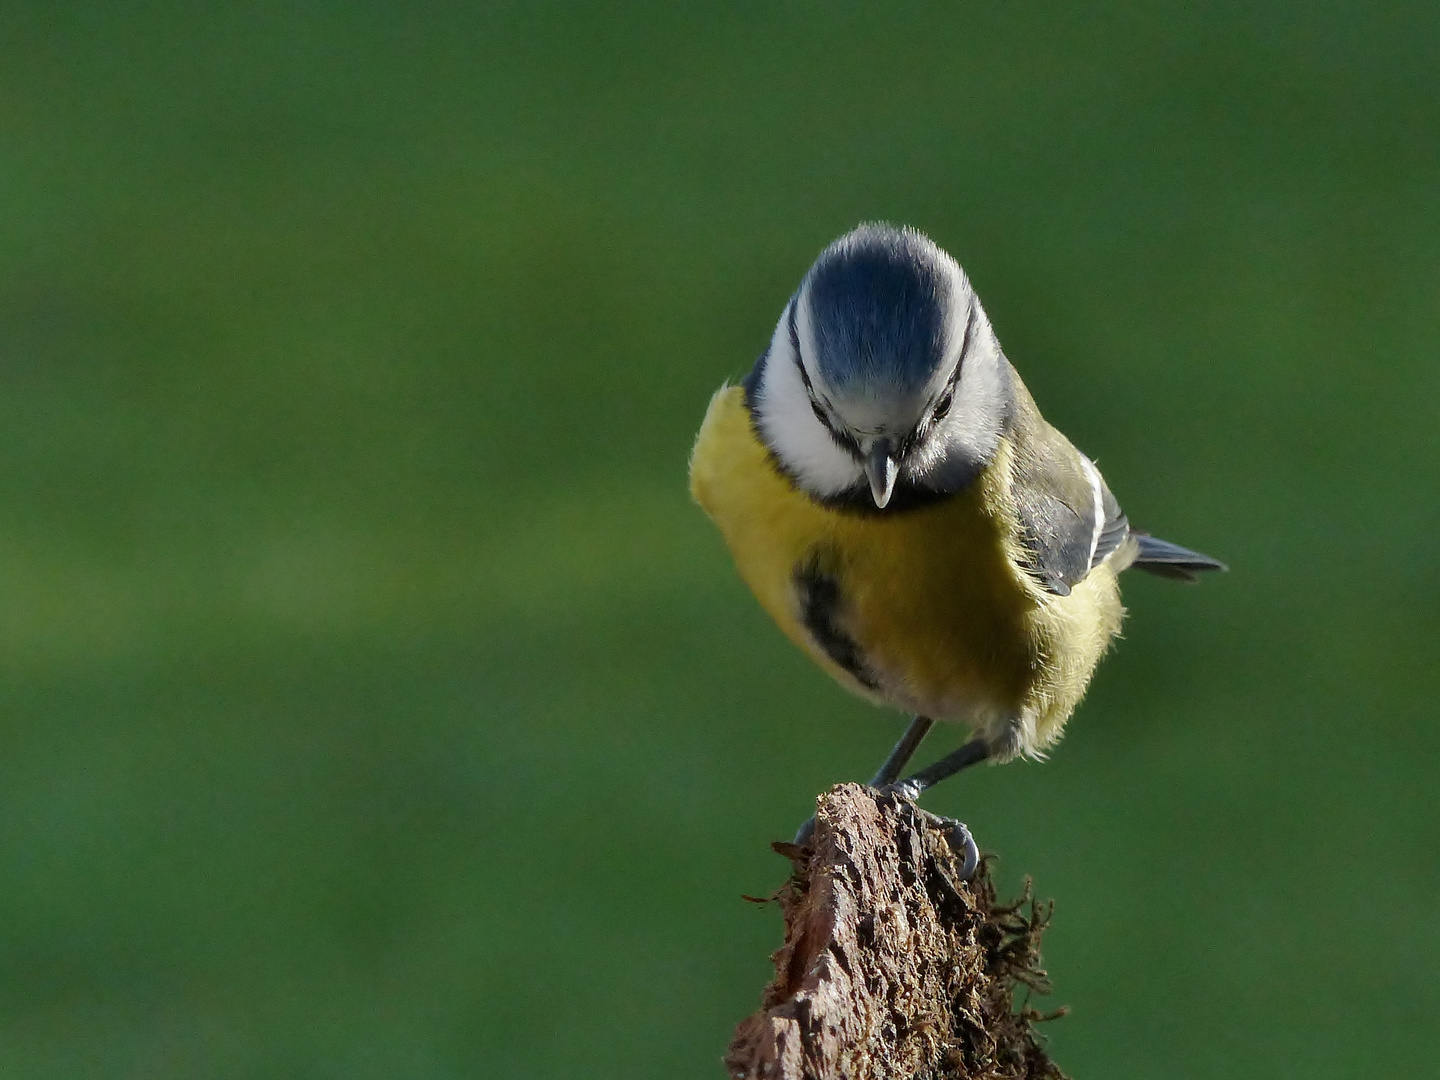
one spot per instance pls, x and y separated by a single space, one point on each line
1069 520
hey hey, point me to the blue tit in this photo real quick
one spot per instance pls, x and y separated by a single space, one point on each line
896 502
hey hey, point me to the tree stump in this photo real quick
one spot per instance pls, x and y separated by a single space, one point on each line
892 967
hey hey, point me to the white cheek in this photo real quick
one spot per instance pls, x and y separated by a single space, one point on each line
980 394
790 428
970 431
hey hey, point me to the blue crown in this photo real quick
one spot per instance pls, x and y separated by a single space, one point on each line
878 298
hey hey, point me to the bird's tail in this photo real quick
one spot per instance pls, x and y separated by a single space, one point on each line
1171 560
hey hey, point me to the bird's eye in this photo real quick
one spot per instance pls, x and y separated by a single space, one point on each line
943 405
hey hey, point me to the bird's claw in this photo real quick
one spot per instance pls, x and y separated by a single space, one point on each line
957 832
805 834
905 789
962 843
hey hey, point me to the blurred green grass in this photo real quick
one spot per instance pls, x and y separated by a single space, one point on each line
373 701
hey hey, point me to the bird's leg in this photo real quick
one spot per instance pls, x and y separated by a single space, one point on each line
904 750
899 757
958 833
972 753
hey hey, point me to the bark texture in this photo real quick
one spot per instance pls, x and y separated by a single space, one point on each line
892 967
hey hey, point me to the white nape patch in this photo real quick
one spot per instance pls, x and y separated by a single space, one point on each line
1097 490
789 426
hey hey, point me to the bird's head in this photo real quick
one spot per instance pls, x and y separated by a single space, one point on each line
883 383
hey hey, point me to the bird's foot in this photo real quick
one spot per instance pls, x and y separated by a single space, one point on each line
908 790
805 834
956 832
961 842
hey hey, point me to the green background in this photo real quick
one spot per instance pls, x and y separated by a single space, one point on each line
374 703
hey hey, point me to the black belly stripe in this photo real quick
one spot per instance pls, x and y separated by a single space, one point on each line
820 606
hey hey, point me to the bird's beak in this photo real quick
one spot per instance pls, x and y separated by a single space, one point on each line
881 470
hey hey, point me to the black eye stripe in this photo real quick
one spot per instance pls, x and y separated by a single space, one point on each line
948 396
946 400
842 439
809 386
795 348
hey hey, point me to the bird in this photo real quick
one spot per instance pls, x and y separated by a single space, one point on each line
892 496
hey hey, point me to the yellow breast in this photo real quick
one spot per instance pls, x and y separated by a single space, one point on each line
945 622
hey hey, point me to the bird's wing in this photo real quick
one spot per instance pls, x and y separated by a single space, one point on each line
1161 557
1069 520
